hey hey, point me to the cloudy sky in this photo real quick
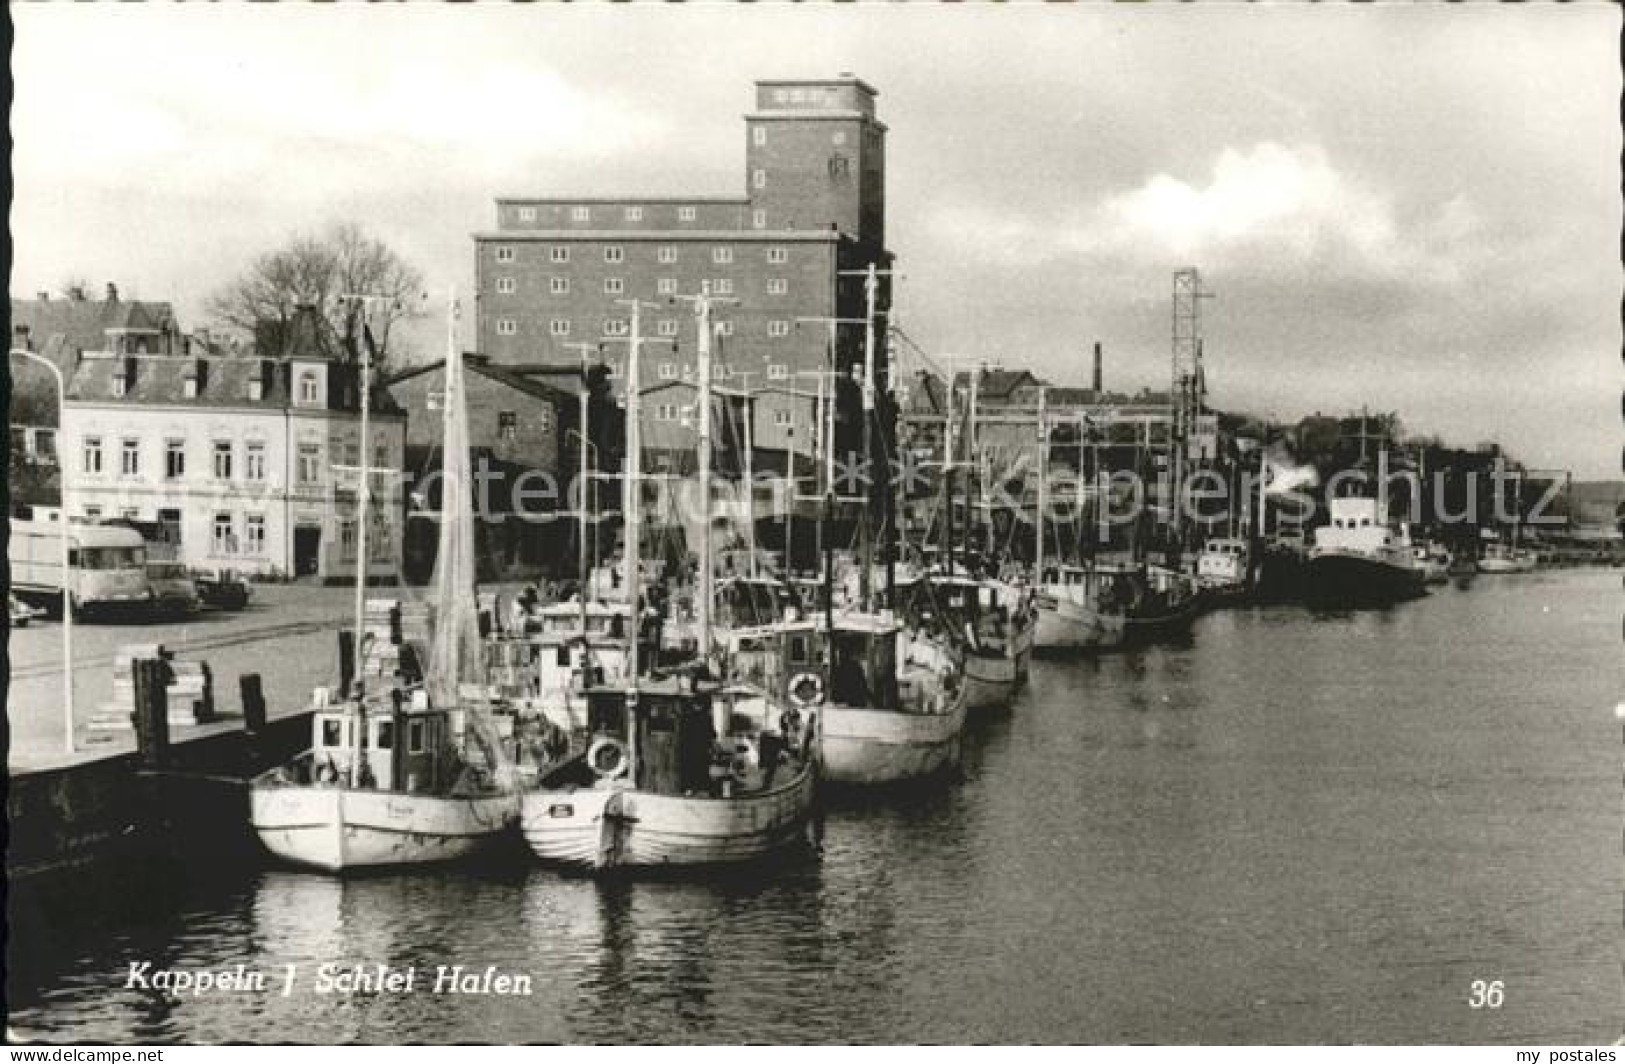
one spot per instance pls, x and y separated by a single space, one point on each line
1411 207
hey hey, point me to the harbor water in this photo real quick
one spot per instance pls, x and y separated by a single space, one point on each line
1290 827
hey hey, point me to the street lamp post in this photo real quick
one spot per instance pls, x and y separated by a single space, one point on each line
62 525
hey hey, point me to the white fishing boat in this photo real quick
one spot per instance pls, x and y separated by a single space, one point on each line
1077 609
383 783
1502 559
1222 567
406 774
993 623
1435 560
680 771
683 769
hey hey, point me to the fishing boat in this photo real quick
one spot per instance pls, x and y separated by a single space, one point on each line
1502 559
1222 568
1435 560
411 772
681 768
1362 559
1157 602
892 699
991 623
1077 609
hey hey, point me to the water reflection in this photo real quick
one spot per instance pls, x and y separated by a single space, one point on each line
1297 828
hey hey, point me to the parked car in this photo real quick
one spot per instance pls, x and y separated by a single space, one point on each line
173 589
221 588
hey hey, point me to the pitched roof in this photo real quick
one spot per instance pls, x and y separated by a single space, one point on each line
62 328
520 378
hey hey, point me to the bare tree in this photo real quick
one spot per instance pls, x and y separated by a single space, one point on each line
321 270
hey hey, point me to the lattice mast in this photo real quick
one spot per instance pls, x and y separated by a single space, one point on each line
1188 389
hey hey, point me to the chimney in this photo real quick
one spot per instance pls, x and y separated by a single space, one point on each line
112 292
1099 378
77 294
42 296
19 336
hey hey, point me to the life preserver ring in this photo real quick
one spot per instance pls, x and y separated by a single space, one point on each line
608 757
807 689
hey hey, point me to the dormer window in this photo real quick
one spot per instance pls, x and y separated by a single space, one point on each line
256 390
121 384
189 387
308 388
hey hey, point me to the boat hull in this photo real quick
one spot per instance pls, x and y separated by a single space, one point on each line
990 680
603 830
1064 624
1505 566
1347 579
335 829
871 746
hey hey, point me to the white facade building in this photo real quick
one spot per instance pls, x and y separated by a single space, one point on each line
240 459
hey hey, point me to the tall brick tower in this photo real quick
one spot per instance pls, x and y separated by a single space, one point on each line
815 158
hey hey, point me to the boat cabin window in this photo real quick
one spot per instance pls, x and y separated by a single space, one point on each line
562 657
415 734
332 732
383 734
798 649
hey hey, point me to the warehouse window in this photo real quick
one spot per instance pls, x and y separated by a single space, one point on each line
581 214
559 327
685 214
777 255
634 214
558 285
777 286
504 253
614 286
778 328
507 425
614 254
666 286
667 254
758 219
558 254
527 214
722 256
505 285
507 327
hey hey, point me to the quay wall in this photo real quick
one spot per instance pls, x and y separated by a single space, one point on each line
68 821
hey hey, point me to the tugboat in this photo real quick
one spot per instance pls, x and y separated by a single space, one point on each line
1361 559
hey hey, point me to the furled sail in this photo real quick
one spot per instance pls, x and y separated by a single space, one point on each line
456 657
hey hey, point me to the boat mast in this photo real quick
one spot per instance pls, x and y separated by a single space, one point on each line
1043 487
632 503
871 284
948 478
583 569
703 594
970 453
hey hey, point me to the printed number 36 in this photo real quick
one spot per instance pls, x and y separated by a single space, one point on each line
1486 995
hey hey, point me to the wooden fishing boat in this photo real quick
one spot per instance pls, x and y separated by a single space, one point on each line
411 773
1077 610
680 771
383 783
